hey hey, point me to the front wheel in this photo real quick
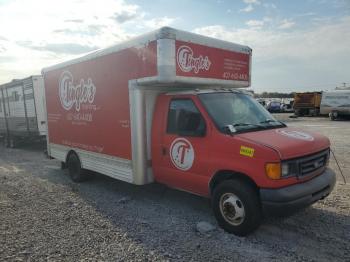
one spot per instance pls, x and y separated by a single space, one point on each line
237 207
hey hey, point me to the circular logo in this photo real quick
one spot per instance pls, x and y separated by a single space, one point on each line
184 56
296 134
182 154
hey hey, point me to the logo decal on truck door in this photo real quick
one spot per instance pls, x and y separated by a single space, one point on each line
187 62
182 154
295 134
71 95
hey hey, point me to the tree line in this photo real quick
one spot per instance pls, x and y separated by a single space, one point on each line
274 95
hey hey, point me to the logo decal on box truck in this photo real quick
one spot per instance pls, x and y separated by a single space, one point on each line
187 62
71 95
182 154
295 134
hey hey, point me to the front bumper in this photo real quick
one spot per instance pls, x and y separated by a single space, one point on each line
291 198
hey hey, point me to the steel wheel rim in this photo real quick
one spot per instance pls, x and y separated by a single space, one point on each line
232 209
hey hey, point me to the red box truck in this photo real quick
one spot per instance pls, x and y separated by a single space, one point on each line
165 107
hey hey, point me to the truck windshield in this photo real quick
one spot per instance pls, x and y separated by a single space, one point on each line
239 110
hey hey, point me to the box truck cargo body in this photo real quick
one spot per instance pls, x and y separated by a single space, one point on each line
164 107
307 103
22 110
335 103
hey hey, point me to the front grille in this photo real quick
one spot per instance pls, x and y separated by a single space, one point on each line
310 164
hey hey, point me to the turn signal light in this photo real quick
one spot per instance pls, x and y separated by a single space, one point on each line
273 170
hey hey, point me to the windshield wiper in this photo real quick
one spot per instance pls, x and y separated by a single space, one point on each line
248 124
267 121
230 129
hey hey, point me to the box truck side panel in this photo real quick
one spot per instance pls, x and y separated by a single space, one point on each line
88 102
196 60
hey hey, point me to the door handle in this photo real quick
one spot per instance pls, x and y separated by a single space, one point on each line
164 150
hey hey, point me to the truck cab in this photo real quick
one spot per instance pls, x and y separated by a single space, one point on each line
221 143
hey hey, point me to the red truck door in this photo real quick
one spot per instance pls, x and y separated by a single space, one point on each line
183 150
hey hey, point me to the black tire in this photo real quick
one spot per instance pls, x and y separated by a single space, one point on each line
331 116
63 165
76 173
246 198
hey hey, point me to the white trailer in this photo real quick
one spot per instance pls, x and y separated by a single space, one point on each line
335 103
22 110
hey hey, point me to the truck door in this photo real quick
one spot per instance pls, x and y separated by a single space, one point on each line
184 151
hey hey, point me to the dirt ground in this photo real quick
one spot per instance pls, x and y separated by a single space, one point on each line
46 217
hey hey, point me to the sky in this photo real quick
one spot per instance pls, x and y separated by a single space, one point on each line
299 45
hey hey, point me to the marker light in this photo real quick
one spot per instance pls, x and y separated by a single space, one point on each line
273 170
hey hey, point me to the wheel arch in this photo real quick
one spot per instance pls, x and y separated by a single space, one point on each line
222 175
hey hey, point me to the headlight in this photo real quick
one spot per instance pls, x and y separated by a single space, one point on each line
289 168
285 169
281 170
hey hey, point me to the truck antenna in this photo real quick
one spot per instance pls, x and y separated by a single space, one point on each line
341 172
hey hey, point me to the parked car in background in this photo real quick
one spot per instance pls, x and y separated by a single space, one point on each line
273 106
261 101
287 105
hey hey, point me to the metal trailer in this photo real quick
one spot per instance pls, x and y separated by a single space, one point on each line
307 103
335 103
22 110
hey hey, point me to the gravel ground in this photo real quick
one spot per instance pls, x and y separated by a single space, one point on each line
45 216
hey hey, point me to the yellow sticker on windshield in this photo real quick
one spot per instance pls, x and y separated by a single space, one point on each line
247 151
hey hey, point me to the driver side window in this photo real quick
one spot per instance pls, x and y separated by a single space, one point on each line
184 119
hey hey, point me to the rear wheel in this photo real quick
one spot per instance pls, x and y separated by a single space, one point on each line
237 207
76 173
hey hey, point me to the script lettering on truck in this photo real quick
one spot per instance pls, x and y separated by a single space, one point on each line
187 61
71 95
79 96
